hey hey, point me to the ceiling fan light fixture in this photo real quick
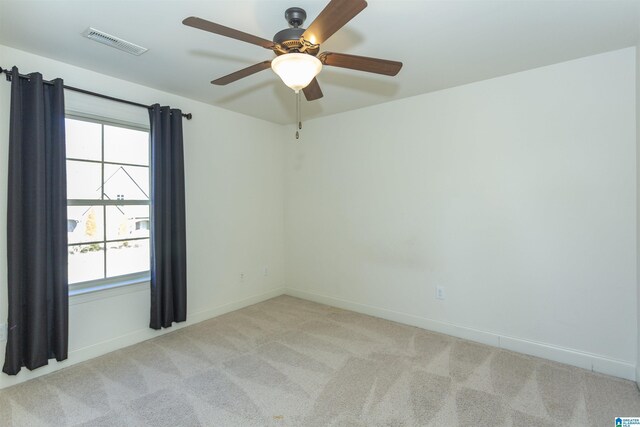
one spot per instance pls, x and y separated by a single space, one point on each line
296 70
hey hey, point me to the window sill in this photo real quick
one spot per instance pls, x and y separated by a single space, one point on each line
105 290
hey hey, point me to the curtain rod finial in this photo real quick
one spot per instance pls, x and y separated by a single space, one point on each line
7 73
188 116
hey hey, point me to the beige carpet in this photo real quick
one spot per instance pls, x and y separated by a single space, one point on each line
290 362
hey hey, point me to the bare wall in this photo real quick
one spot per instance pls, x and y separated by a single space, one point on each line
517 195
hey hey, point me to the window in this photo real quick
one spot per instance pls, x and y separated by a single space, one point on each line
108 202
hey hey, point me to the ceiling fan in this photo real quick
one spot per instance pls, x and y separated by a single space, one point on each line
298 59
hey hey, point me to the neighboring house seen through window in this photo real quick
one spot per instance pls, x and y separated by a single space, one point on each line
108 202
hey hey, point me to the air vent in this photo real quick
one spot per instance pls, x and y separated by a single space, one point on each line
109 40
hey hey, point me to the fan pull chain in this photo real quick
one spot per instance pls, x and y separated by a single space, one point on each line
298 115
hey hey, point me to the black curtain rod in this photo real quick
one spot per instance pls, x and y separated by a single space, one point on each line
188 116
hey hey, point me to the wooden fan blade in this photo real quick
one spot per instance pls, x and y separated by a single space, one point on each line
212 27
361 63
313 91
245 72
333 17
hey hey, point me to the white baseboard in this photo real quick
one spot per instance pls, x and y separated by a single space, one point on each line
592 362
134 337
584 360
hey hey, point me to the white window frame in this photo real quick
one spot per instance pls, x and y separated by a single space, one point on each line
126 279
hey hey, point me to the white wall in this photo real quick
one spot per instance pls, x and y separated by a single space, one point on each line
638 199
516 194
234 182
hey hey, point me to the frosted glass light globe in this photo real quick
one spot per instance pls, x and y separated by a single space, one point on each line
296 69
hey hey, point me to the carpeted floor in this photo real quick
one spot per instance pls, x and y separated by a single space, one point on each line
290 362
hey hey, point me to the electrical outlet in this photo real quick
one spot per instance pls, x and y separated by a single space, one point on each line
439 292
266 271
3 332
241 277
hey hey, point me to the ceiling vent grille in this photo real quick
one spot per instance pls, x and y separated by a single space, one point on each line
109 40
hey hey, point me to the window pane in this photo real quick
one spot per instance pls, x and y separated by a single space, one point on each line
86 262
85 224
89 179
83 180
127 257
126 182
84 139
126 222
122 145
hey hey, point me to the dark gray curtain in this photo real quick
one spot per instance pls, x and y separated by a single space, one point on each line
36 225
168 228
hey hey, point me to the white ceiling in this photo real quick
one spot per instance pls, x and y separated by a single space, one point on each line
442 44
